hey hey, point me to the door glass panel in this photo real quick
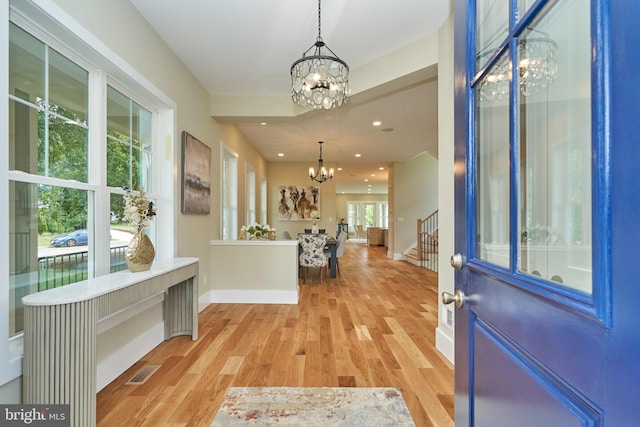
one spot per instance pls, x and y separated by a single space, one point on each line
555 149
492 222
523 6
492 26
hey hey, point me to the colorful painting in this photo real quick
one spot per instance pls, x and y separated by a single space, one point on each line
297 201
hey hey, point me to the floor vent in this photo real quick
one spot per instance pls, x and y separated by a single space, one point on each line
143 375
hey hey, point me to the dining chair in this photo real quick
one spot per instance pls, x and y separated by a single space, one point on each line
322 230
360 232
312 253
307 230
342 241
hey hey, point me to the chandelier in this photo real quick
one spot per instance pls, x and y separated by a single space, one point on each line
320 80
537 69
321 175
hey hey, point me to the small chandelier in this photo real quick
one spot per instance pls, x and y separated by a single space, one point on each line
537 69
321 175
319 80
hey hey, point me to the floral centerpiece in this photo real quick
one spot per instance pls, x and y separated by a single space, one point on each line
139 212
258 231
315 217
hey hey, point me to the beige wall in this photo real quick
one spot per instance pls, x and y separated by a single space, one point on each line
415 196
444 333
297 173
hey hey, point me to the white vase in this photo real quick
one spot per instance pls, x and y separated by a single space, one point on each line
314 228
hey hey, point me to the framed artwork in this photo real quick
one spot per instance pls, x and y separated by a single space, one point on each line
196 175
297 201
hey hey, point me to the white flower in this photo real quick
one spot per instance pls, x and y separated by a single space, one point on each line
138 210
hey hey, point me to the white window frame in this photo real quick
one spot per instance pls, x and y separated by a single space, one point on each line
229 193
47 22
263 200
251 195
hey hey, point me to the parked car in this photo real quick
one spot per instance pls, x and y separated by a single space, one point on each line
78 237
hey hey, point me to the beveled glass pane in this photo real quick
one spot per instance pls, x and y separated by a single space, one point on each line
26 65
68 88
523 6
492 200
118 114
555 146
47 242
118 167
492 26
67 146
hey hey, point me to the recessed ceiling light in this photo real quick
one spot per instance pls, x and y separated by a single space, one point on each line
366 180
373 174
387 130
339 169
381 168
280 154
358 155
377 123
263 123
369 185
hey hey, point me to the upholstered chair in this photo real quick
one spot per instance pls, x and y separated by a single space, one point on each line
312 253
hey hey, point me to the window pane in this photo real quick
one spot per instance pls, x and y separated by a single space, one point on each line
68 88
129 131
555 139
26 65
48 242
492 25
492 210
48 133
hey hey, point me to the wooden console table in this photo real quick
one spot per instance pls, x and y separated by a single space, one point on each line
60 329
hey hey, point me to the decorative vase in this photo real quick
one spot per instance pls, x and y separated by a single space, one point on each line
140 253
314 227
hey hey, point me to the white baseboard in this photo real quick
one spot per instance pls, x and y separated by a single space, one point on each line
247 297
126 356
445 344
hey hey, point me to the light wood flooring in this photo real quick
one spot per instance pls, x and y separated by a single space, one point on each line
372 326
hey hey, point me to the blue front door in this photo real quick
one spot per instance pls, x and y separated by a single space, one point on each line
547 212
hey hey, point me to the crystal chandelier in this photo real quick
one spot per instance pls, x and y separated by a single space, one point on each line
537 69
320 80
321 175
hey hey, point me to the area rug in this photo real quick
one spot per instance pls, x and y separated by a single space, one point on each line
313 406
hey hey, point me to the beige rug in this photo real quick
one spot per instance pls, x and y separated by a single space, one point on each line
313 406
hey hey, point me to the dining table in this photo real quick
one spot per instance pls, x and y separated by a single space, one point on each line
331 247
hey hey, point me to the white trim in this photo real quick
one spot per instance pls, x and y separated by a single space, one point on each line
253 242
445 344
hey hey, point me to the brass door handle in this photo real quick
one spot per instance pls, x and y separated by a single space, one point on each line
458 298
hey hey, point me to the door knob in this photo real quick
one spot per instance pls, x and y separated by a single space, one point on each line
458 298
456 261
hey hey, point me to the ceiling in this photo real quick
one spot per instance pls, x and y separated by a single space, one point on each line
242 51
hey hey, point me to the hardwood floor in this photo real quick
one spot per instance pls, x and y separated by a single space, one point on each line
372 326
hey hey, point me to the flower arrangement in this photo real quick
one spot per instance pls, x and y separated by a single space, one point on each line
257 231
314 215
138 210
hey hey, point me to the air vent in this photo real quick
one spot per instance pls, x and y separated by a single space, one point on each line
143 375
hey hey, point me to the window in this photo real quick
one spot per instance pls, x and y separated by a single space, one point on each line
251 195
368 214
48 170
229 195
263 200
65 173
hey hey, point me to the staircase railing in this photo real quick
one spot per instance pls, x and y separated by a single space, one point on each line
428 242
